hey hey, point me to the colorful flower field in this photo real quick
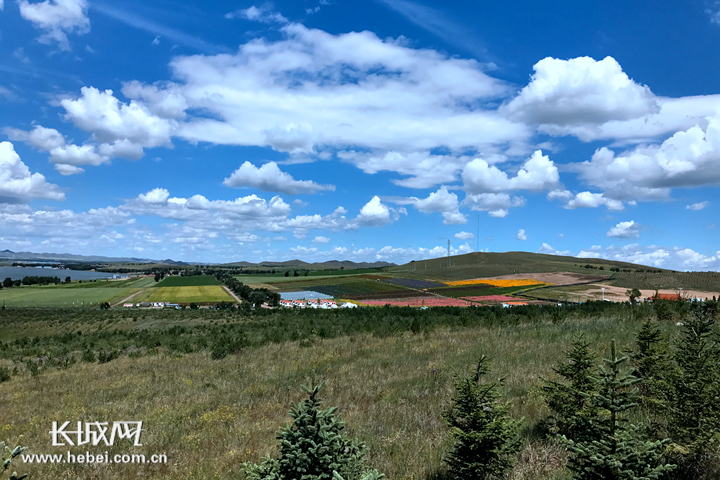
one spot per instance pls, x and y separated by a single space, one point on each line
517 282
418 302
491 298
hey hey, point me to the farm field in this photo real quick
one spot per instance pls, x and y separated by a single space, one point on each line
419 284
339 286
198 294
476 291
493 298
429 301
281 278
192 281
390 294
61 295
500 283
209 416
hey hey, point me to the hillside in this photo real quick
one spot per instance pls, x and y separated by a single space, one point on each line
492 264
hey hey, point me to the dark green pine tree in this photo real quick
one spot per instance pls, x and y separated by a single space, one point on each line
565 398
486 437
651 360
694 405
618 451
313 446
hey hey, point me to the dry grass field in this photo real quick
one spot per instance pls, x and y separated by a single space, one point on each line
208 416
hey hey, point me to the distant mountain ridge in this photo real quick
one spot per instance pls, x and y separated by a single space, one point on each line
68 257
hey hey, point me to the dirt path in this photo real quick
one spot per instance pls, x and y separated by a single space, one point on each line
128 298
232 294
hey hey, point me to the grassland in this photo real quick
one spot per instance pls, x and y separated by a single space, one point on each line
481 264
58 296
197 294
210 416
191 281
73 294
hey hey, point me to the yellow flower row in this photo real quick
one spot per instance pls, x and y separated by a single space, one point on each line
499 283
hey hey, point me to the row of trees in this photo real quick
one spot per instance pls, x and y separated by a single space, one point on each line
32 280
255 297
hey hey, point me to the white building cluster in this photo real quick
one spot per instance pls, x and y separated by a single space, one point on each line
315 303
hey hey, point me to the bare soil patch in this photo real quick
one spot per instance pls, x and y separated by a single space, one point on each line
582 293
617 294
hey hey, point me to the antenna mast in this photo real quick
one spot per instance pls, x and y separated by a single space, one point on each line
448 253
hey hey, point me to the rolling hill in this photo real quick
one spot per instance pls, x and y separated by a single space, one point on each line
491 264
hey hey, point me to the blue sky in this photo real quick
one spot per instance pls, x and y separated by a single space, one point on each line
375 130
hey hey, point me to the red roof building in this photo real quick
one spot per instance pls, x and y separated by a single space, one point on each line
674 297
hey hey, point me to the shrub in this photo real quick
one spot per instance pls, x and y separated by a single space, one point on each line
313 446
663 310
486 438
5 374
107 356
89 356
225 345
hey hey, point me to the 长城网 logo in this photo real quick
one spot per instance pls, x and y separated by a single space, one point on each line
95 433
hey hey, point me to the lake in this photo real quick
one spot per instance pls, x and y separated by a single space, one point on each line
18 273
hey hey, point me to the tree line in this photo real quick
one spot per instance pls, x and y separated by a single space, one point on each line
32 280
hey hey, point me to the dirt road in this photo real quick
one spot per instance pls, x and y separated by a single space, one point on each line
232 294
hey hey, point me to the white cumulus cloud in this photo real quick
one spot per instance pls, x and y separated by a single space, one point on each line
270 178
579 91
625 230
57 18
464 235
521 235
697 206
18 184
110 120
496 204
374 213
594 200
687 159
550 250
321 239
537 173
263 14
444 202
156 195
